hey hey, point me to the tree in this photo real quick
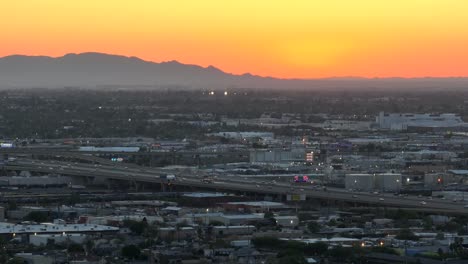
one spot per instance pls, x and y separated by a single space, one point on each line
74 198
341 253
268 215
89 245
137 227
313 227
75 248
15 260
453 226
37 216
440 236
12 205
268 242
291 256
130 252
406 234
292 259
318 248
216 223
427 223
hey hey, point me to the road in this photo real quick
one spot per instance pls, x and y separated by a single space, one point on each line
235 183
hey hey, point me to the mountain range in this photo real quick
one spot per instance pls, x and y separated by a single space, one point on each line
94 70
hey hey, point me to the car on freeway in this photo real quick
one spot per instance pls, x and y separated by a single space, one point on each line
354 196
423 203
381 199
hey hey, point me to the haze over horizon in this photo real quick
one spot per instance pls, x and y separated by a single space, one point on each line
294 39
88 70
210 66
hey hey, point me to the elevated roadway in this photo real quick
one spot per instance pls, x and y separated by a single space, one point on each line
235 183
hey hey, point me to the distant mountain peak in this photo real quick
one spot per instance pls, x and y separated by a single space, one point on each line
92 69
171 62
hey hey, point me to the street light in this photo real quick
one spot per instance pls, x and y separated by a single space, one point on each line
206 216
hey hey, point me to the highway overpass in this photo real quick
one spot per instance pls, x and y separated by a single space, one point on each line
233 183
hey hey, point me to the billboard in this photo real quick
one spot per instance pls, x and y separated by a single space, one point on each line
304 178
6 145
295 197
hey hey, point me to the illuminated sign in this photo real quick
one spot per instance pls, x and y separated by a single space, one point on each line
304 178
6 145
295 197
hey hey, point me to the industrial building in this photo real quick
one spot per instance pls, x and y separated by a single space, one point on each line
386 182
399 121
278 155
359 182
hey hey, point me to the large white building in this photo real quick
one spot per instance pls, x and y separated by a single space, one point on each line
401 121
368 182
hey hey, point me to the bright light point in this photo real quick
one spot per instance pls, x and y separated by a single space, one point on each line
226 93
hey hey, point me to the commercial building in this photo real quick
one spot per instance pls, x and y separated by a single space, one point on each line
234 230
287 221
256 206
278 155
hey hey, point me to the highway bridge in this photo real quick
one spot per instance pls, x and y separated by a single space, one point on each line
65 152
233 183
143 157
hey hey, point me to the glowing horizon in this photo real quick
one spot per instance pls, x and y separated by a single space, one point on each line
293 39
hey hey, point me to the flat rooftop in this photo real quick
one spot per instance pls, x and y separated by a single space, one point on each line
8 228
258 204
204 195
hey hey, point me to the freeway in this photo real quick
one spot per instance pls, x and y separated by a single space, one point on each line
233 183
66 151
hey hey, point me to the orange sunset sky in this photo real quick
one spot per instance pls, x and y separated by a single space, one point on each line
289 39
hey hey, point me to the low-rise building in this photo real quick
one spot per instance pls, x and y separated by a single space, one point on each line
234 230
287 221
